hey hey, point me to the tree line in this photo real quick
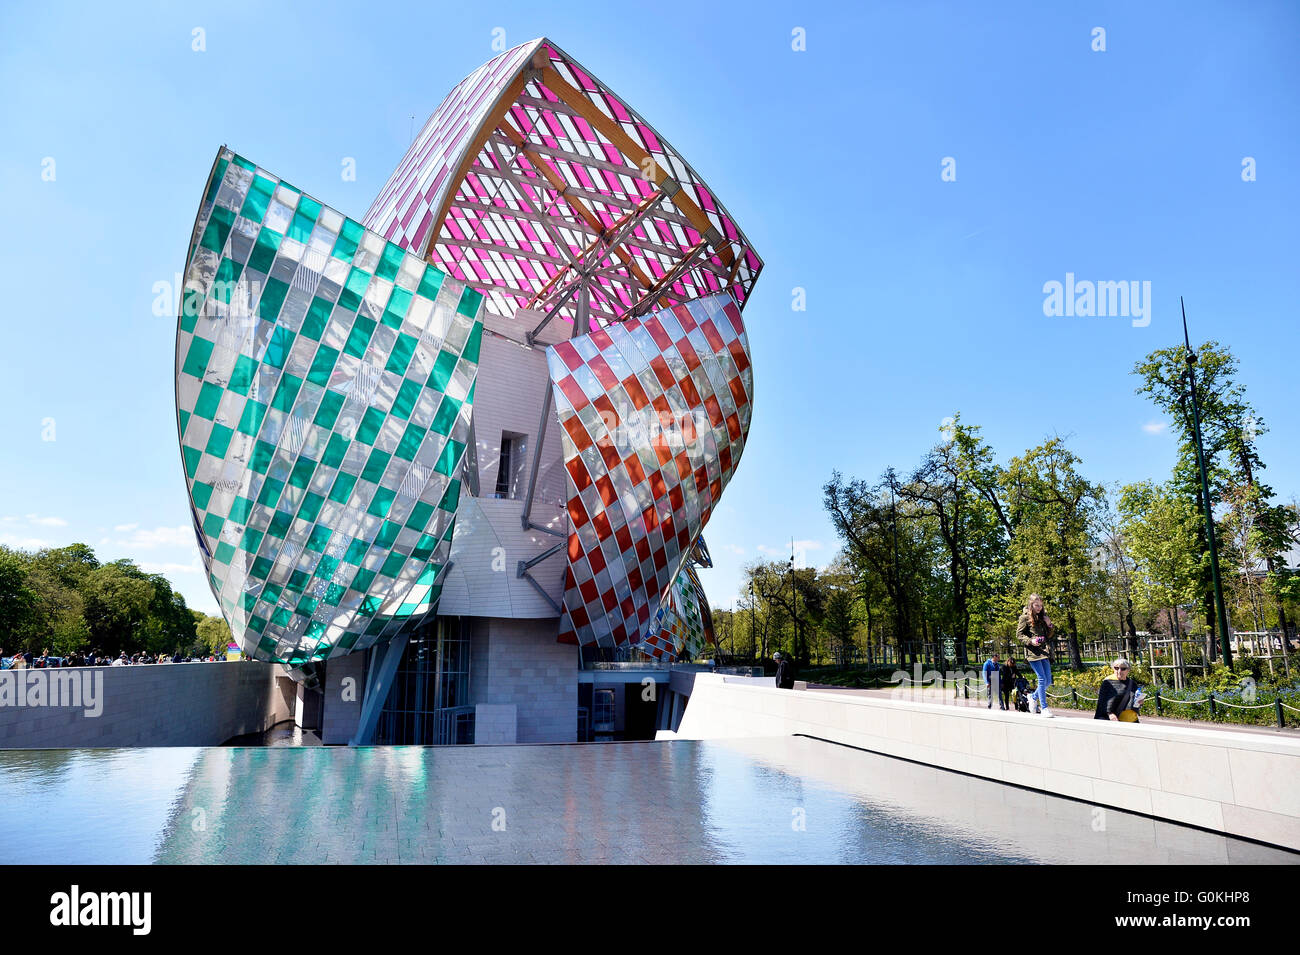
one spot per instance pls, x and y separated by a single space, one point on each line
949 549
63 600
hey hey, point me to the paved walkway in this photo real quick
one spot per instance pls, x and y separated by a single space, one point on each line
945 697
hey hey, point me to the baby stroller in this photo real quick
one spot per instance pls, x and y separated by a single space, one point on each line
1020 696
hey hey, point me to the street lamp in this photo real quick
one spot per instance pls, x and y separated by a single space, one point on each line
1190 358
794 600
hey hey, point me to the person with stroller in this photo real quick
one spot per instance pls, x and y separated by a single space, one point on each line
1119 696
1022 693
1034 631
1009 676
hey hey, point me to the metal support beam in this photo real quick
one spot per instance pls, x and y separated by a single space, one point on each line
602 246
378 685
661 288
471 461
554 310
530 526
537 454
582 320
524 565
541 590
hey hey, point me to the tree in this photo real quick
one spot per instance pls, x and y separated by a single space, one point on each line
1158 524
886 540
59 623
213 635
841 622
1050 505
118 598
1230 429
797 595
947 487
1117 568
18 601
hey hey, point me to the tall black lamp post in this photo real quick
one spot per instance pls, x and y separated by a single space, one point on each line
1190 357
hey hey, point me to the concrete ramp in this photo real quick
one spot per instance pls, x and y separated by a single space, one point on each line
1241 784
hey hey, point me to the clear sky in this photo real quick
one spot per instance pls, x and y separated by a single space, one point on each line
924 297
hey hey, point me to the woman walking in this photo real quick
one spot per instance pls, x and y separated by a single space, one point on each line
1119 697
1034 631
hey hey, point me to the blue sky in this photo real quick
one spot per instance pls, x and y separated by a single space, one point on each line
924 297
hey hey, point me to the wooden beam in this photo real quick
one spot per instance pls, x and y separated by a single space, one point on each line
612 131
594 243
495 114
562 187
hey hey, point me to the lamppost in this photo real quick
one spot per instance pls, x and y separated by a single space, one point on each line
1190 358
794 600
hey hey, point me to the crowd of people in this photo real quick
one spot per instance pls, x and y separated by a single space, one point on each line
97 658
1118 699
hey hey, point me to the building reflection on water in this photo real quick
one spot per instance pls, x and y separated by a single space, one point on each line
786 800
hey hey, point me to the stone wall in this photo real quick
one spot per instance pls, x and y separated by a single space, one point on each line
518 662
177 704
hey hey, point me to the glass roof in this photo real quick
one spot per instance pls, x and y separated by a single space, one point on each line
533 175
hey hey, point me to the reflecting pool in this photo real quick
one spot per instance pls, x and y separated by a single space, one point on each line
791 800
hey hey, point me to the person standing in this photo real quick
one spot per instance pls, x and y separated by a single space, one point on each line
992 678
1034 631
1009 676
1118 698
784 671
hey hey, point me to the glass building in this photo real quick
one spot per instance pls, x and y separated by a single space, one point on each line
463 449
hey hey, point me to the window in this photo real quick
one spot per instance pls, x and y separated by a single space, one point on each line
510 470
603 704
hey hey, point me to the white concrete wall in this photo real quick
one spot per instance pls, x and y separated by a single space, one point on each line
518 662
1244 784
512 381
490 540
488 545
178 704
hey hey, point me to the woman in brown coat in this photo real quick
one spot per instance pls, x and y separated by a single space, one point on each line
1034 631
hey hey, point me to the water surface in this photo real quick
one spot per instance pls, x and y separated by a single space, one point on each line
789 799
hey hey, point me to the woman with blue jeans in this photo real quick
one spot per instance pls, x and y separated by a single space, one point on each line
1034 631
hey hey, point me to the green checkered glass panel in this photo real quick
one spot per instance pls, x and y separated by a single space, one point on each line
324 381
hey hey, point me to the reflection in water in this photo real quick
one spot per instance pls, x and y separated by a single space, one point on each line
89 806
760 800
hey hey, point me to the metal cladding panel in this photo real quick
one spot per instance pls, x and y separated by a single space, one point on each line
654 416
324 384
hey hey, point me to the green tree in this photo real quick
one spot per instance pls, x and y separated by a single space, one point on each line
213 635
1230 430
1159 530
19 603
59 622
1051 507
118 598
891 542
948 488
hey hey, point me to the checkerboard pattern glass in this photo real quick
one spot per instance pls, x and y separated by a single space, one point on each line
654 415
683 623
324 386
